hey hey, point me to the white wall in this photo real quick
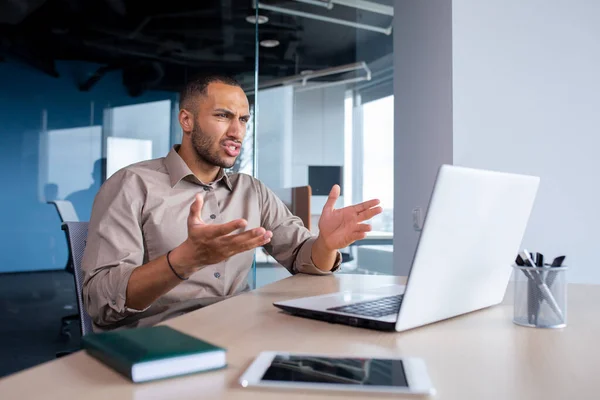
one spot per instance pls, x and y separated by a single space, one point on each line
423 112
504 85
526 98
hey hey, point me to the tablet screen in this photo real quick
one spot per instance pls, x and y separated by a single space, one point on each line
346 371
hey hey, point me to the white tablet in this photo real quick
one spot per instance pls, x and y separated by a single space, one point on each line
353 374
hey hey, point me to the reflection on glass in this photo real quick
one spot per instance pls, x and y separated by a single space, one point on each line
83 199
122 152
70 170
53 147
349 371
149 121
70 175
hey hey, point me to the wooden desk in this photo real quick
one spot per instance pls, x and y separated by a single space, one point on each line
482 355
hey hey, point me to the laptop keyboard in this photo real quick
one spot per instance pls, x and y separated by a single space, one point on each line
372 308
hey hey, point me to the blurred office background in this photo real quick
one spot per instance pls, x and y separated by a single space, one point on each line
373 95
88 87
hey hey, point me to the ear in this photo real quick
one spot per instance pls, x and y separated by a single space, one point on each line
186 120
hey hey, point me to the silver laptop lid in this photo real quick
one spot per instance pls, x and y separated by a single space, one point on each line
471 235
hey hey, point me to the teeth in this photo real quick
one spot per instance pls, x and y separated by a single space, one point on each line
232 148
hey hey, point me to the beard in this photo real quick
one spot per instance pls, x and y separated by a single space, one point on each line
203 145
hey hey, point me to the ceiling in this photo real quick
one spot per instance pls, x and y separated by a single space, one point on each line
158 45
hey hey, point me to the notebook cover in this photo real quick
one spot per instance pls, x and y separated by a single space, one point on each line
124 348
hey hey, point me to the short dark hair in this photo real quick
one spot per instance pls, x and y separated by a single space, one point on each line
197 86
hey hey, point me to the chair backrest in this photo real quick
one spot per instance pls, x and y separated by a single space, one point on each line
65 209
297 200
76 238
301 204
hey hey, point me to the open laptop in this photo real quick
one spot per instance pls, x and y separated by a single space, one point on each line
471 235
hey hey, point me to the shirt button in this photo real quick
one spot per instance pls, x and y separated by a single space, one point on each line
206 188
213 216
114 302
217 275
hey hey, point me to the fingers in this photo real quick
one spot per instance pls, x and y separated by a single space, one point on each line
363 228
258 235
370 213
247 240
225 229
195 216
358 236
334 194
366 205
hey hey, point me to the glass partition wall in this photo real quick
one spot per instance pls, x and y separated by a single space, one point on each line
318 75
87 90
325 116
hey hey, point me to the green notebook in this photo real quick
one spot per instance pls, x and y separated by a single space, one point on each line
145 354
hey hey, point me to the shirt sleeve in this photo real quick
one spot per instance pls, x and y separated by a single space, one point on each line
291 244
114 248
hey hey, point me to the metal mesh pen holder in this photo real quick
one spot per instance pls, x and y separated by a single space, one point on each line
540 296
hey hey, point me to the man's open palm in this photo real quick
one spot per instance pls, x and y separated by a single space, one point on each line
212 243
339 228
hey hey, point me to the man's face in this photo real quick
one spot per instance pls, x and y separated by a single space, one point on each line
220 124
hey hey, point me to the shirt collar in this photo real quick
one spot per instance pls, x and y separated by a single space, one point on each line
178 170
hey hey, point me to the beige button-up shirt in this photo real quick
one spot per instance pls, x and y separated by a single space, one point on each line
140 213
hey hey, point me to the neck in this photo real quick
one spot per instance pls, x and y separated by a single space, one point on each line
204 171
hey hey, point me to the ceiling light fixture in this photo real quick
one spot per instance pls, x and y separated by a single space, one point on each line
261 19
324 18
269 43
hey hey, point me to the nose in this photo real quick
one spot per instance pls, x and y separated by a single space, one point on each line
237 130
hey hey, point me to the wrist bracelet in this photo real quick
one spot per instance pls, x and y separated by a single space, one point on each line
173 269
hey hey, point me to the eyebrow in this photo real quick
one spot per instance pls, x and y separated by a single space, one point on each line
230 113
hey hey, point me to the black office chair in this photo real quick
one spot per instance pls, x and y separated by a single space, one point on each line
67 213
76 238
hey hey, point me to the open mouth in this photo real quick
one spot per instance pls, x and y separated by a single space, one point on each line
232 148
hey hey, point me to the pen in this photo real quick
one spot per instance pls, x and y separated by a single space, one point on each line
534 293
557 263
539 263
544 291
539 259
530 290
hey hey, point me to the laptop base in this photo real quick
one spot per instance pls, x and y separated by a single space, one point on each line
356 321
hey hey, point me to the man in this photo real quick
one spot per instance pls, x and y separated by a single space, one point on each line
173 234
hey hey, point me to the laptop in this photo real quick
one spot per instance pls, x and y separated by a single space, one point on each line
471 235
